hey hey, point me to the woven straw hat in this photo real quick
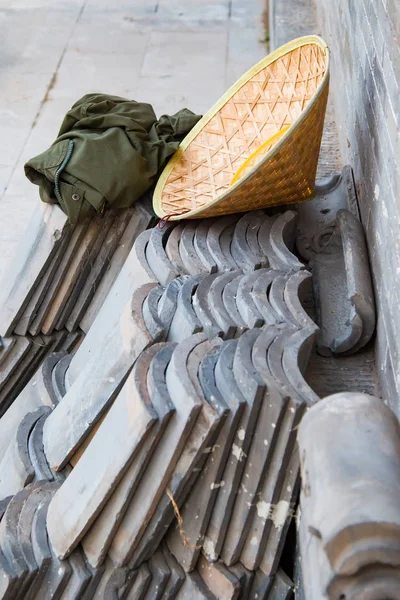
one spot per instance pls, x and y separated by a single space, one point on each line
258 146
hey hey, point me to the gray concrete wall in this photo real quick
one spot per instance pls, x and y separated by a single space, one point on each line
364 37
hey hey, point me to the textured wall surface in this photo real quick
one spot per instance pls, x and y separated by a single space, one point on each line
364 36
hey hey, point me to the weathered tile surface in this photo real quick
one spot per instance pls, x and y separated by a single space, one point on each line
253 389
21 328
140 220
98 265
99 537
194 589
190 259
185 321
193 456
44 235
152 487
99 383
197 508
75 261
87 259
219 580
156 256
16 469
134 273
83 494
51 293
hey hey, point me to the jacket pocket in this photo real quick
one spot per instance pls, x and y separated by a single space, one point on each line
73 202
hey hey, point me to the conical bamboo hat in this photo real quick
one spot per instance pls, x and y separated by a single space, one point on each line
259 144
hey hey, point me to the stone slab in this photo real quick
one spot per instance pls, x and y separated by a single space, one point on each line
25 369
269 512
6 345
21 376
288 415
14 357
43 236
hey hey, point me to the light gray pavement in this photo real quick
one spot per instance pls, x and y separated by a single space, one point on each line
170 53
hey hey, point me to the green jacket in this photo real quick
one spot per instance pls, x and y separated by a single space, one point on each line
108 152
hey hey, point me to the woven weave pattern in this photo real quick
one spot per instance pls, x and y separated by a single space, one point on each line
271 100
287 178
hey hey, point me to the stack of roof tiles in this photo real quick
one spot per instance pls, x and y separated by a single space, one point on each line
56 286
159 460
